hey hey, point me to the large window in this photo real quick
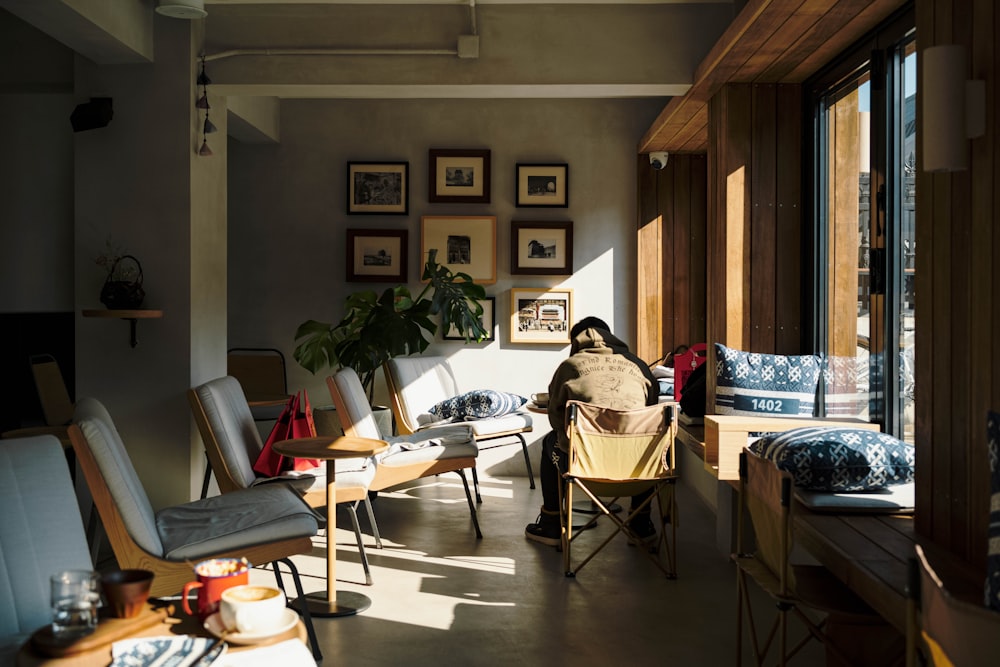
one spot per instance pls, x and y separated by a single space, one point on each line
864 192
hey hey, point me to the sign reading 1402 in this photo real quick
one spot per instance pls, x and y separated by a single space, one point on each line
767 404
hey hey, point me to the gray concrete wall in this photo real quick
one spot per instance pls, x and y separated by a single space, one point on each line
287 220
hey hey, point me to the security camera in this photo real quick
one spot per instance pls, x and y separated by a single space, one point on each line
658 159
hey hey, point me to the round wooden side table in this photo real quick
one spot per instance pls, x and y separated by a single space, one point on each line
334 603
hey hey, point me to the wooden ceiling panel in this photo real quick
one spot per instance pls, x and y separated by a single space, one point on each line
770 41
871 15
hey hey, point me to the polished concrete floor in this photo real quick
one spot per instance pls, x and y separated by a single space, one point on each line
440 596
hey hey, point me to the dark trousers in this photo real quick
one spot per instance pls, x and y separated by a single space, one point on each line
554 464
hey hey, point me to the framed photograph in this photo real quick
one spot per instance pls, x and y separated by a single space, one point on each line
466 244
378 187
376 255
542 185
489 322
541 248
540 315
459 176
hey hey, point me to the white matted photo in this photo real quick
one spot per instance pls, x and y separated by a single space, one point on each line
459 176
464 244
376 255
540 185
541 248
378 187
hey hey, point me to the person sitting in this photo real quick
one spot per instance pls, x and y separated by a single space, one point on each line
600 370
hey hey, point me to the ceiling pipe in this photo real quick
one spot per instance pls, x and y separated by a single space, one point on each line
330 52
468 47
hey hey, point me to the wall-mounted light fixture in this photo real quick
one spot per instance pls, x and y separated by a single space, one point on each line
954 109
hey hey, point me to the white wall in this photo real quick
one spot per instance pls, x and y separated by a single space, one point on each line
287 220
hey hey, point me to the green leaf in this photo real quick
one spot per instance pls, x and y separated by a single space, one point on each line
378 327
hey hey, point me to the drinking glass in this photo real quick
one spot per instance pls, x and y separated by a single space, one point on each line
75 598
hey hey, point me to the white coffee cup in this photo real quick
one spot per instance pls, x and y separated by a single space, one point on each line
250 609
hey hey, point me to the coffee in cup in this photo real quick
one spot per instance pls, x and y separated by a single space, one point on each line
540 398
214 576
254 610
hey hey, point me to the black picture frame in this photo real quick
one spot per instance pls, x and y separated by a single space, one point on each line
458 176
541 248
376 255
542 185
378 188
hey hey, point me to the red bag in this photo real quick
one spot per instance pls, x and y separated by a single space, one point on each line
295 421
684 365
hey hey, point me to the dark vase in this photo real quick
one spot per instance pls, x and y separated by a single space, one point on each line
123 294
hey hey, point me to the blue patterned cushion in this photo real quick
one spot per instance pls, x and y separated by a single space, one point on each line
828 458
478 405
993 550
748 383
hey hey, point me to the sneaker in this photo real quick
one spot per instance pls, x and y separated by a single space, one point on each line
544 531
643 529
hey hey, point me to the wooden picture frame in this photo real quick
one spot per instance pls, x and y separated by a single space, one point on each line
489 322
465 243
541 248
376 255
542 185
378 188
459 176
540 315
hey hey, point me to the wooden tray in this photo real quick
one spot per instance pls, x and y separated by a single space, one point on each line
108 630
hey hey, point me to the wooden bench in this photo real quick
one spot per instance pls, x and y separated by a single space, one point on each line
870 554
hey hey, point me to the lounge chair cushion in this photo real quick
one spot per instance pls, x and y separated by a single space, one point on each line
444 442
208 527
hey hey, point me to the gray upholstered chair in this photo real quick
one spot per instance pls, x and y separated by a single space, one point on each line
418 383
232 444
264 524
409 457
41 533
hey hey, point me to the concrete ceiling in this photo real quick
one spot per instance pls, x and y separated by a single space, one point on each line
411 48
368 50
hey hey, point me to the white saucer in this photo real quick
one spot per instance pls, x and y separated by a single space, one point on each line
214 625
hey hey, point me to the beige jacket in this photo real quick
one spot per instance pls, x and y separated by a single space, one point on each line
599 370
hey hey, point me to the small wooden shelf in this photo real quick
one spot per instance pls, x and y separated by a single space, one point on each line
132 315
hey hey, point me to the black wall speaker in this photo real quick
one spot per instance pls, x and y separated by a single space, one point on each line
92 115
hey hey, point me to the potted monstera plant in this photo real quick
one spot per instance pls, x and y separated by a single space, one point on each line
377 327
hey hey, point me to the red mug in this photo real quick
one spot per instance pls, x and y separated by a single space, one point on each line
212 577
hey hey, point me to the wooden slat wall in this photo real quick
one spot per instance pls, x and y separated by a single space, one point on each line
671 264
755 220
957 286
